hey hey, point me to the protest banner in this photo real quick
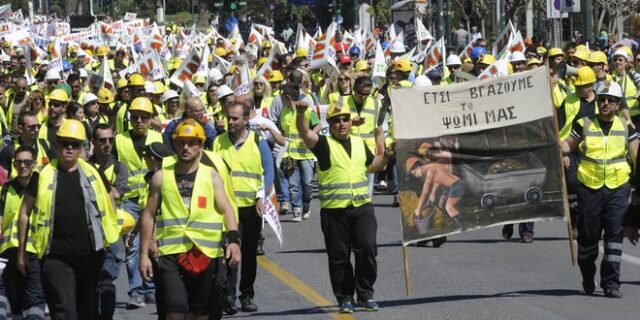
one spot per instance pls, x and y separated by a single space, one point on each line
188 67
272 218
148 64
323 51
476 154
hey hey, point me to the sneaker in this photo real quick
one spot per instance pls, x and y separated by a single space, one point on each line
230 306
297 215
248 305
395 203
589 286
285 208
135 302
150 298
507 231
346 307
612 293
306 215
526 238
370 305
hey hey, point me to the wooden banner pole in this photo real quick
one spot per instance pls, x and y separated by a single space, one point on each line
407 276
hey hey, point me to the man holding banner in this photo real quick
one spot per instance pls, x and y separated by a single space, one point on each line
346 213
604 142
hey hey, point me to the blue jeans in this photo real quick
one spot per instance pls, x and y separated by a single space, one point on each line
300 183
282 183
137 285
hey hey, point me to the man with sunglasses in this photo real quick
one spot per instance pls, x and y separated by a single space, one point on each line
58 100
346 214
72 220
135 85
129 148
24 291
604 142
28 128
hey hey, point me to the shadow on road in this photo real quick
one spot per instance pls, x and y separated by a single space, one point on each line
523 293
303 312
322 250
502 240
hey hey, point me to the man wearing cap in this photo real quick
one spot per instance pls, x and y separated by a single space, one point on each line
188 203
51 78
251 170
603 189
347 215
92 114
454 64
193 109
171 103
72 220
136 89
129 148
117 176
28 128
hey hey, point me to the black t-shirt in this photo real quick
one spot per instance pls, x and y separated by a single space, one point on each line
185 184
71 235
321 151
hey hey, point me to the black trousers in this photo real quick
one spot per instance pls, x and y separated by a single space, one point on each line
601 209
24 292
70 285
250 226
343 229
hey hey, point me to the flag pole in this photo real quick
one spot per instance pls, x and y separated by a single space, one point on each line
407 276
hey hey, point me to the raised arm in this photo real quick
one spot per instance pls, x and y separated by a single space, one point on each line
310 137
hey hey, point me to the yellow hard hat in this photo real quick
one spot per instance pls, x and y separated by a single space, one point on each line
541 50
136 79
72 129
200 80
102 51
487 59
105 95
581 47
59 95
128 222
534 61
276 76
88 51
556 52
121 83
189 128
582 54
210 58
176 63
302 52
585 76
220 52
159 87
261 61
266 44
598 57
361 65
141 104
338 109
403 65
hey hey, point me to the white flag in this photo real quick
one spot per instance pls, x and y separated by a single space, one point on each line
379 65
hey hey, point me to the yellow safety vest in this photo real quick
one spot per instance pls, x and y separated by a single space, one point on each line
11 201
265 105
297 149
345 182
122 118
571 109
246 166
558 95
178 228
135 164
603 159
369 112
99 204
628 91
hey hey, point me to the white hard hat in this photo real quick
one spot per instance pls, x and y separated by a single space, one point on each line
89 97
517 56
397 47
215 74
621 53
608 88
169 94
422 81
453 59
52 74
149 87
223 91
83 73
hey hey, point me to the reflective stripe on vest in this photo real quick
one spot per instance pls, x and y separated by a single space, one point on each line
345 182
135 164
629 91
179 228
100 205
603 159
297 149
246 167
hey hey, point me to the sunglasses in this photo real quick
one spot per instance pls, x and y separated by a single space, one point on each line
56 104
139 118
103 140
33 127
340 120
608 99
26 163
69 144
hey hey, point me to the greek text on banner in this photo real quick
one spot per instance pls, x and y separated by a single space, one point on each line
471 106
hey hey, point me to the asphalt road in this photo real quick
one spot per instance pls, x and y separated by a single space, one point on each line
476 275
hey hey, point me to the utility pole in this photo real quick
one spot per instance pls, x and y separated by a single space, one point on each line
440 13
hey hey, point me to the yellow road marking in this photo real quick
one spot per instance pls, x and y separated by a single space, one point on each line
301 288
